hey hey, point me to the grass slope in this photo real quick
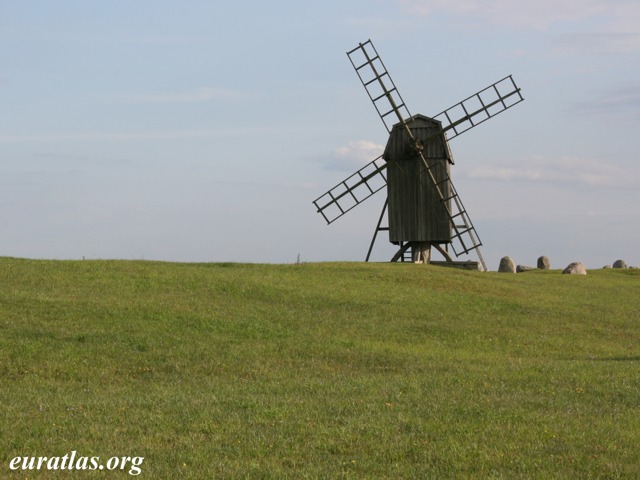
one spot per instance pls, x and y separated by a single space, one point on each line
320 370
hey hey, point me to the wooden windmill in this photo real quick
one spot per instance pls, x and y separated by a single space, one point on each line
424 208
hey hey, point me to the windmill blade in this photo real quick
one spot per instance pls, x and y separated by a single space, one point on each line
464 236
480 107
352 191
379 86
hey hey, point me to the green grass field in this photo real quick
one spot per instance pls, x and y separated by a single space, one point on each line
342 370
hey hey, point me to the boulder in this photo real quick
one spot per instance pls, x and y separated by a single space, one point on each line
607 266
619 264
575 268
523 268
507 265
544 263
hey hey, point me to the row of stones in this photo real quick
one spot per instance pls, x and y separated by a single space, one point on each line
507 265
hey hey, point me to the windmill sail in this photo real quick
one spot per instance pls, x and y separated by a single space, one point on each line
377 82
480 107
352 191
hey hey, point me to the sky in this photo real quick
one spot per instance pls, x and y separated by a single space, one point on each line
201 131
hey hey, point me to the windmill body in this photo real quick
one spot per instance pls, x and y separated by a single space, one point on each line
424 208
416 212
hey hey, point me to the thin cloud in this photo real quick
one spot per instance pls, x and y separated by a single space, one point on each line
354 155
204 94
597 42
562 170
537 15
610 25
114 136
298 185
620 101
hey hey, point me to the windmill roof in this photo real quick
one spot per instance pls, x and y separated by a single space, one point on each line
418 121
419 118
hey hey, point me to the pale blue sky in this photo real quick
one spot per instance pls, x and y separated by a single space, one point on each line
203 130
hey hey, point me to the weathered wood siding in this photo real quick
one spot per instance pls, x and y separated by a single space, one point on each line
415 210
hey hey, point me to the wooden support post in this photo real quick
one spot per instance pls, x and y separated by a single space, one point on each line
444 253
420 252
400 252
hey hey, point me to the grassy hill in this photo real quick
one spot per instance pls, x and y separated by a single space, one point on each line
320 370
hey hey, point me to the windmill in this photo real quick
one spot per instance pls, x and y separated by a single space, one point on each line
424 209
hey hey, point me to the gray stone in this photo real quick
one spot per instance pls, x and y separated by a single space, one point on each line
507 265
575 268
619 264
523 268
544 263
607 266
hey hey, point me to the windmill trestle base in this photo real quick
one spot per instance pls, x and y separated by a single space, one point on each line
420 253
465 265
